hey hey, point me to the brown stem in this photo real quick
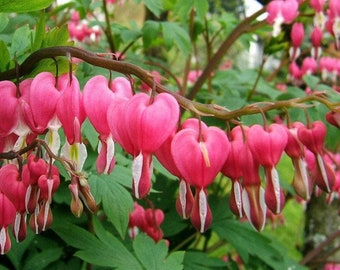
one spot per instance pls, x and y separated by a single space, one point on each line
131 69
315 252
108 31
243 27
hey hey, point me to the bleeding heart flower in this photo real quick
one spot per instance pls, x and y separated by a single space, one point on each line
138 125
313 138
9 108
15 190
233 168
145 118
201 217
208 153
99 95
267 145
208 148
40 112
70 109
280 12
7 215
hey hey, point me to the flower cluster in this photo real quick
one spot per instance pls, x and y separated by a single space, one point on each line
147 221
326 19
80 31
145 125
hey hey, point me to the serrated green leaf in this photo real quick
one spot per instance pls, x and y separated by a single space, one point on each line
20 6
3 21
153 256
5 57
41 260
198 261
174 34
21 40
123 258
75 236
155 6
150 32
117 201
238 235
107 251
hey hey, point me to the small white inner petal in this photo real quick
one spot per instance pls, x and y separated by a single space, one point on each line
182 196
82 156
52 139
110 151
16 226
277 25
2 240
238 197
46 211
203 208
304 174
246 205
27 197
137 166
277 189
323 171
263 207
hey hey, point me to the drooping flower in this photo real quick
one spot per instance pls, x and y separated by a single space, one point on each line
296 35
232 169
313 138
7 215
209 148
267 146
98 96
138 125
281 11
15 190
147 221
316 38
296 151
9 108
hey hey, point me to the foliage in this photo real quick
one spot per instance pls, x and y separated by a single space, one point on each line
194 49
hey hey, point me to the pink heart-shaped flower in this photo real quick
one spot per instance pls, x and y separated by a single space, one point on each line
12 186
9 108
151 122
267 145
200 161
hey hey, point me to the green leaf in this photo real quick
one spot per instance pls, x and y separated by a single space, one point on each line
5 57
183 8
174 34
39 32
311 81
56 37
155 6
150 32
238 235
153 255
3 21
117 201
90 134
19 6
21 40
123 258
200 261
107 251
42 259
